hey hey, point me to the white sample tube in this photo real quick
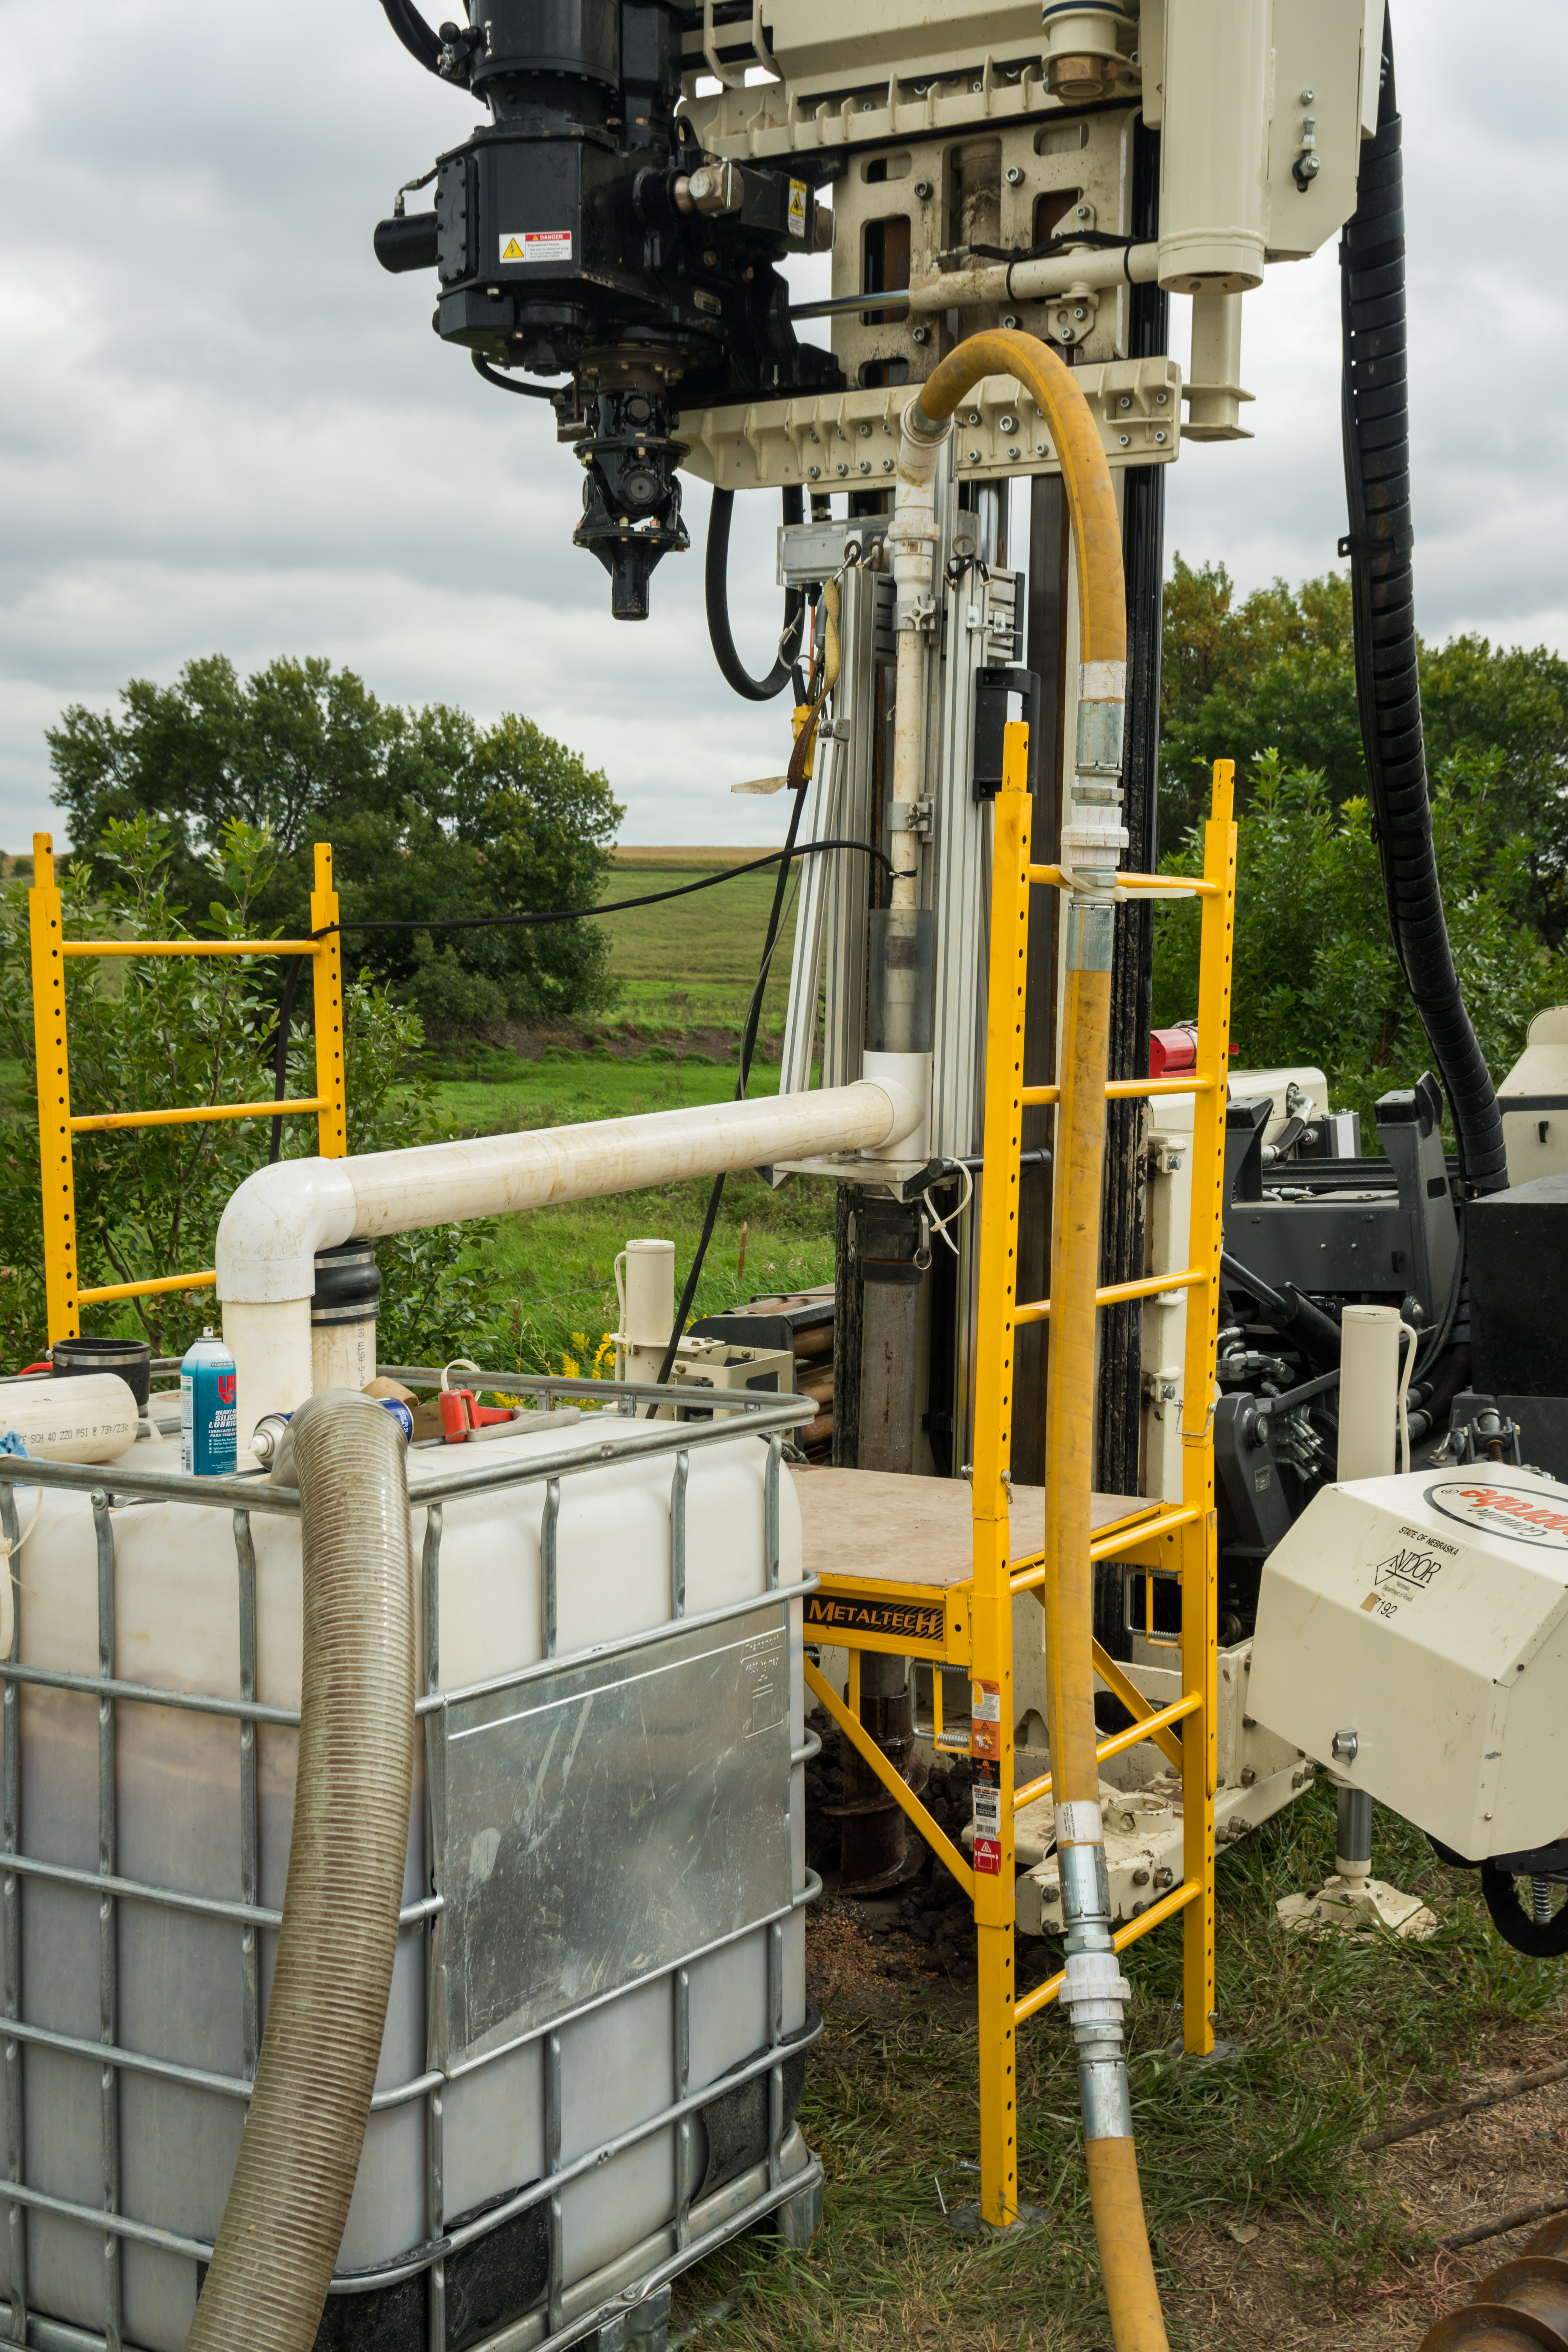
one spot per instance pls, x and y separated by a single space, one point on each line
1368 1391
647 1306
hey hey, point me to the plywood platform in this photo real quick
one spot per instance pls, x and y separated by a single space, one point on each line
878 1527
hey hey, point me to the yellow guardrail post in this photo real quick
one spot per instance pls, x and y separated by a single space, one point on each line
1198 1539
991 1606
56 1172
331 1121
56 1126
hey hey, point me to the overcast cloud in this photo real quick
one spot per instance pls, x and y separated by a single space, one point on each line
224 429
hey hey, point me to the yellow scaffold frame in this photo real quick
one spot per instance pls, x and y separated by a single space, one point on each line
58 1129
975 1627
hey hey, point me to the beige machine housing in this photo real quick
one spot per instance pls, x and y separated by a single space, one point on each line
1533 1100
1421 1623
952 134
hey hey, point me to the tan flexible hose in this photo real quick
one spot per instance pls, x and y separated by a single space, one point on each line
1096 526
1070 1423
290 2196
1091 843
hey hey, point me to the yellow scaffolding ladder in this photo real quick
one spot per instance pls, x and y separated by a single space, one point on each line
973 1628
58 1129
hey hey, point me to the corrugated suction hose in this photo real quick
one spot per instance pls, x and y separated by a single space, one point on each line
290 2197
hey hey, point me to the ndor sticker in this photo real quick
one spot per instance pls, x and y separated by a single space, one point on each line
536 245
985 1719
797 208
1521 1512
986 1802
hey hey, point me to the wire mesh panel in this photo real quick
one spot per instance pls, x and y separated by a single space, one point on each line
500 2189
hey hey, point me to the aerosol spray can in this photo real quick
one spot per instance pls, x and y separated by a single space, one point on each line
208 1413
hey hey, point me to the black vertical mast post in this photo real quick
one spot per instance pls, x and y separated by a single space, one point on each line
1122 1228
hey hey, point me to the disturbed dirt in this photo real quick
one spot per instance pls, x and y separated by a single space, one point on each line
1505 2160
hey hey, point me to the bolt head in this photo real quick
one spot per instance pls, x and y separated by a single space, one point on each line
841 468
1125 401
1124 438
1078 310
1160 398
1013 451
1009 425
1082 213
922 190
865 432
887 465
974 416
1308 96
1160 437
1011 320
918 335
1014 175
1039 448
865 465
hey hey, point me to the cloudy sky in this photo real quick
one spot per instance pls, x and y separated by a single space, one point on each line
222 428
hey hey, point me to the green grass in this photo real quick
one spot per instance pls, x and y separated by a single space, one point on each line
486 1090
691 964
1332 2034
549 1272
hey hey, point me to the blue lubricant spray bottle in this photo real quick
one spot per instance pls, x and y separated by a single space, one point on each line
209 1414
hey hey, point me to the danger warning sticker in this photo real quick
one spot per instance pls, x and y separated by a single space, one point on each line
986 1800
536 245
797 208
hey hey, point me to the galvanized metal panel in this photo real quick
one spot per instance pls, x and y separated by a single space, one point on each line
605 1821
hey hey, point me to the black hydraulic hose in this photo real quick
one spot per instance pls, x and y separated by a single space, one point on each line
1537 1939
504 383
414 33
716 592
1376 432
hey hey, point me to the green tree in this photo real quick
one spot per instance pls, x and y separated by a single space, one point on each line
429 815
1275 672
162 1032
1316 979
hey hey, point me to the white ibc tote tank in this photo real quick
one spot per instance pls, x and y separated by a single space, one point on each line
603 1900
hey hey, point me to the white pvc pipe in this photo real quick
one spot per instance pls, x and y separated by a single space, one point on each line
280 1216
912 535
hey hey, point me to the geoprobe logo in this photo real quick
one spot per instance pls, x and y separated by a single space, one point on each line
1517 1511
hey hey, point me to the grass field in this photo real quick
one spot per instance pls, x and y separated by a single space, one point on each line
690 964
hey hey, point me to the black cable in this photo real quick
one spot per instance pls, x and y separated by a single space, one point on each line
716 595
281 1053
1376 433
748 1044
504 383
612 905
414 33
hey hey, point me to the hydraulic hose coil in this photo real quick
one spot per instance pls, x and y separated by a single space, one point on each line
1376 432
